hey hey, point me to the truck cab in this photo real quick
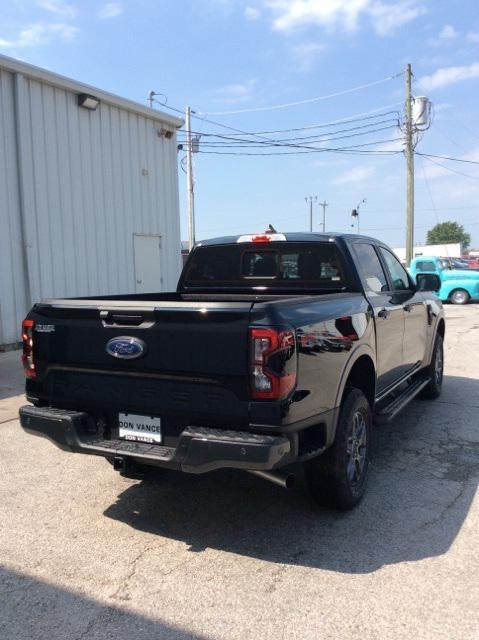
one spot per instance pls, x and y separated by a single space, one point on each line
458 286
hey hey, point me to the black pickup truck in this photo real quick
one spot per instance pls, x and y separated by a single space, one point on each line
276 349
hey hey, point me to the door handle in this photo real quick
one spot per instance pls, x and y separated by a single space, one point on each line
383 313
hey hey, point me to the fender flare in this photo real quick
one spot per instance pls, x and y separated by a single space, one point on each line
361 350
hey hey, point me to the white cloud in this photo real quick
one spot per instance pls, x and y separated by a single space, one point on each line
343 14
394 145
473 36
449 75
39 34
252 13
447 34
357 174
307 53
111 10
442 106
58 8
236 93
389 17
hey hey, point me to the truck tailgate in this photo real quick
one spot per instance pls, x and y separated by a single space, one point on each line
194 364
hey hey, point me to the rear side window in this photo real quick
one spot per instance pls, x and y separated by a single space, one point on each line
398 274
373 276
295 264
425 266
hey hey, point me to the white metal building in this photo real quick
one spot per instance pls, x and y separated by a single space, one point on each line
440 250
88 198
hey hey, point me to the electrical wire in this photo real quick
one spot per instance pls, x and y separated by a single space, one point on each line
302 150
312 138
301 102
259 145
431 155
429 190
365 115
443 166
257 135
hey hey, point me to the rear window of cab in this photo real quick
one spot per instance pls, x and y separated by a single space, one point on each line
294 264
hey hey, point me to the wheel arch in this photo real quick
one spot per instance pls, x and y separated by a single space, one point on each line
460 288
441 328
360 372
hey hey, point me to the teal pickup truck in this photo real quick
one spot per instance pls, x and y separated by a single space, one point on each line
458 286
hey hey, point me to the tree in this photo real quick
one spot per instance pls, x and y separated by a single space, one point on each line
448 232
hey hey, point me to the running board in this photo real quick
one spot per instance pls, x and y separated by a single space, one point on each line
391 410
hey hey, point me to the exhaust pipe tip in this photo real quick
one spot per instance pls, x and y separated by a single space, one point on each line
285 480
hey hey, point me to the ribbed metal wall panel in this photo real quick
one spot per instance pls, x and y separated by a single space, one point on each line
88 181
12 276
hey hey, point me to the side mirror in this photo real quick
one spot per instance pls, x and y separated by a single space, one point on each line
428 282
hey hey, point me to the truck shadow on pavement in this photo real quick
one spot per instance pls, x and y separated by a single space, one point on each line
33 609
424 478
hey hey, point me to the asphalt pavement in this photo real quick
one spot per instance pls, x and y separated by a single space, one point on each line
86 554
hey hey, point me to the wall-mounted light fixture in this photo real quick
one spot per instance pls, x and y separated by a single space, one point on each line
165 133
88 102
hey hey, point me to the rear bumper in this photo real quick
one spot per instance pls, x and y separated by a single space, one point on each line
199 449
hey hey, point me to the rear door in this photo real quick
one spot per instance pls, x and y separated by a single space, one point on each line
147 263
388 315
415 310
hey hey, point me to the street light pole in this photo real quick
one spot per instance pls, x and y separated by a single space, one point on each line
355 213
311 199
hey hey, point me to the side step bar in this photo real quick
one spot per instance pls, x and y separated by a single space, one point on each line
391 410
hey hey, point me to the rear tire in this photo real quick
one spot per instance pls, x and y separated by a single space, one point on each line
435 371
338 478
459 296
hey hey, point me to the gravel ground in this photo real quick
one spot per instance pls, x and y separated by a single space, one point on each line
85 553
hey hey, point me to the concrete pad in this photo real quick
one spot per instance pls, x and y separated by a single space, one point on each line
88 554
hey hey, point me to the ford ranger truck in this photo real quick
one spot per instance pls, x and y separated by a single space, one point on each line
276 350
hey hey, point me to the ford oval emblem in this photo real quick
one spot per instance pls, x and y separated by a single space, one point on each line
126 347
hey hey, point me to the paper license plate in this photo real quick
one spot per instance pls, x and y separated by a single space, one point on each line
139 428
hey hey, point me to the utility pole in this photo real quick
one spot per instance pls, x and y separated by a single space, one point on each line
410 170
190 181
324 205
311 199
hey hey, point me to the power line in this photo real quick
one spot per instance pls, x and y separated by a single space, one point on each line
354 118
363 130
459 173
304 149
259 134
348 129
262 145
261 137
429 190
431 155
301 102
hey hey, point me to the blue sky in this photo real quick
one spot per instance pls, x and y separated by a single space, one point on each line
229 55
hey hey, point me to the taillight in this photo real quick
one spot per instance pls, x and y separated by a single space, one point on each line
272 363
27 356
